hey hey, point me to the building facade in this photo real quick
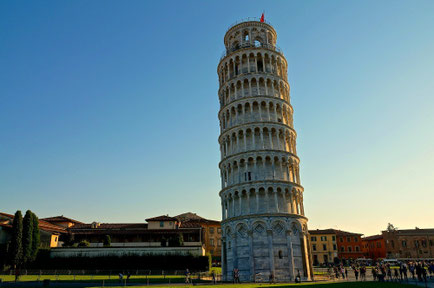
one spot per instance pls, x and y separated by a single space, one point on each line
212 233
409 244
263 222
349 245
323 246
374 247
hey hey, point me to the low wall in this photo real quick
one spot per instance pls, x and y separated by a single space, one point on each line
125 251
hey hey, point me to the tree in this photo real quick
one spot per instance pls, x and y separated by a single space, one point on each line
27 237
16 247
36 237
107 241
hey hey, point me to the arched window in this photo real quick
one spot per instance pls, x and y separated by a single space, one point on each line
246 36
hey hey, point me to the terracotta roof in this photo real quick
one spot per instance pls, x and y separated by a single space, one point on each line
43 225
188 216
190 224
322 231
373 237
46 226
123 226
346 233
6 215
60 219
162 218
333 231
416 231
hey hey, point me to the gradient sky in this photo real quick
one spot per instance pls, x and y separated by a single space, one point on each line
108 109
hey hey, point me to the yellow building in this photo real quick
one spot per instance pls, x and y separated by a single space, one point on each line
323 246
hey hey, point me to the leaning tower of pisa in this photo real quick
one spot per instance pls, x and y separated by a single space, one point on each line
263 222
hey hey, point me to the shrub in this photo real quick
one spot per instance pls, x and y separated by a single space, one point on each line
84 243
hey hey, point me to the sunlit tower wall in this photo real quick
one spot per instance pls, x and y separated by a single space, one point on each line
263 223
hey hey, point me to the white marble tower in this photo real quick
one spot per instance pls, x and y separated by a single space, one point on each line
263 223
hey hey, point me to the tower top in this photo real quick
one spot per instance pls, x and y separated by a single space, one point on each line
250 32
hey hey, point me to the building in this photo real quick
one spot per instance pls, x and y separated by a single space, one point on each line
263 222
374 247
323 246
407 244
349 245
50 234
212 233
61 221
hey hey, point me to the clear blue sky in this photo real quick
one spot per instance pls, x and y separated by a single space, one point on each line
108 109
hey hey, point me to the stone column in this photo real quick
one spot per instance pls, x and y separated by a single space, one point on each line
234 250
290 254
276 201
270 250
251 258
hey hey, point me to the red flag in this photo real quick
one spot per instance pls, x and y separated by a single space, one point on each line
262 18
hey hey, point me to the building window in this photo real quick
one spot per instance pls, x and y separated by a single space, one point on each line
314 247
379 244
211 242
424 243
334 247
313 238
431 243
211 230
161 223
342 249
341 239
211 252
323 238
219 230
392 243
357 249
348 239
219 242
280 254
356 239
416 243
324 247
350 249
334 238
404 243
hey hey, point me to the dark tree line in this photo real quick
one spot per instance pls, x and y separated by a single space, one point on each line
25 240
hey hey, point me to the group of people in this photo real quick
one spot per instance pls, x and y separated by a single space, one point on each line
419 270
341 271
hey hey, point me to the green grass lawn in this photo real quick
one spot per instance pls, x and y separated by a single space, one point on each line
99 278
305 285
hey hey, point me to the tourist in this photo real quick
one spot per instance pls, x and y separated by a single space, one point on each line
389 273
396 275
346 273
412 270
187 276
374 273
356 273
298 277
213 277
237 275
405 271
121 276
271 277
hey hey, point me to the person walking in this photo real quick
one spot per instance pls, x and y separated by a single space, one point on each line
356 273
187 276
213 277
